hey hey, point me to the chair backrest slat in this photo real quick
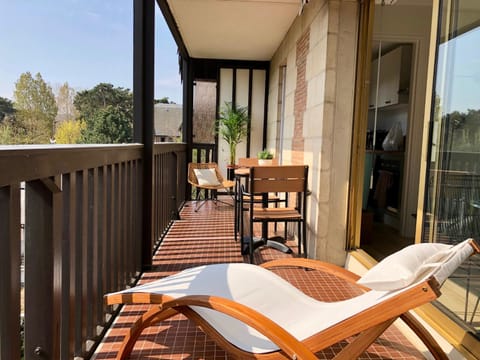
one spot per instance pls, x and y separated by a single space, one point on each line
249 162
278 185
287 178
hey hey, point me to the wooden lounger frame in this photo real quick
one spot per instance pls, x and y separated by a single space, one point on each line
369 324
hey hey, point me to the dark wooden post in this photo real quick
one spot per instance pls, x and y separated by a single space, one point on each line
39 311
143 94
10 272
187 77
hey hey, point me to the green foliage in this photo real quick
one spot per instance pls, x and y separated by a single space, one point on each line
232 126
69 132
6 108
462 128
7 134
265 154
109 125
107 112
164 100
36 109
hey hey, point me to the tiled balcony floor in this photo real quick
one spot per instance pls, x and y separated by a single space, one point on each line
207 237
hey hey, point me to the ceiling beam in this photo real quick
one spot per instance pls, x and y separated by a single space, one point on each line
172 25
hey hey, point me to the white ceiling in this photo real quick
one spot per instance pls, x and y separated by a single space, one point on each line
240 29
233 29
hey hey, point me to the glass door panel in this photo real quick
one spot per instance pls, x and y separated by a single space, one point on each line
452 207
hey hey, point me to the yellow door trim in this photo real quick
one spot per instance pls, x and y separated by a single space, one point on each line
362 86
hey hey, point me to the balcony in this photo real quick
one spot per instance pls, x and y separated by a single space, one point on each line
95 215
85 236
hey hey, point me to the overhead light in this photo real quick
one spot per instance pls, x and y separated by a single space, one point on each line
385 2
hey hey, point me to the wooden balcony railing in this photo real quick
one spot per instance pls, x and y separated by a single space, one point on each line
81 209
203 152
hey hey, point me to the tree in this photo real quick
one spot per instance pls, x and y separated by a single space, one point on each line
69 132
107 112
64 99
36 108
7 134
109 125
6 108
163 100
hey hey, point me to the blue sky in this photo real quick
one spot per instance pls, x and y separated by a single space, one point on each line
458 82
82 42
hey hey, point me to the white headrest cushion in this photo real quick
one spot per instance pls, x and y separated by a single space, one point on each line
415 263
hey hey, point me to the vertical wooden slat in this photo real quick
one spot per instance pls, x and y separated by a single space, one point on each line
38 271
88 288
68 230
156 196
10 272
139 213
83 270
116 251
58 210
123 224
160 196
76 257
128 219
96 254
110 275
101 248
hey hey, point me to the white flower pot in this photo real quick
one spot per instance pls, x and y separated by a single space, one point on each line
263 162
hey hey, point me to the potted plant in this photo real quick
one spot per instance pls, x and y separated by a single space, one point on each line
232 125
265 157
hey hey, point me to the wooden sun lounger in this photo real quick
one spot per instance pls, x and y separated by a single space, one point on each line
196 292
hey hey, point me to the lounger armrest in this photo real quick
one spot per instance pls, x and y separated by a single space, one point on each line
316 265
475 246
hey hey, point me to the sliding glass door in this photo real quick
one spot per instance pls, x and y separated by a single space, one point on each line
452 194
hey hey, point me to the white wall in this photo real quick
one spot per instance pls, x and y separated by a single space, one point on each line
327 120
257 109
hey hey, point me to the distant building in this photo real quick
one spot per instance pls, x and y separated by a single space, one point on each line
168 122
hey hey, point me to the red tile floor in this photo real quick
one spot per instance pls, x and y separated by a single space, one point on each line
207 237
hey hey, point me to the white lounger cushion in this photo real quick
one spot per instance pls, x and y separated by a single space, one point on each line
265 292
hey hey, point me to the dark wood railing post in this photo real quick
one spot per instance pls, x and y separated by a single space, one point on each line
187 77
143 94
39 312
10 272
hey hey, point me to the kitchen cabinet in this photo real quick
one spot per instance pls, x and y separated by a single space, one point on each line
392 78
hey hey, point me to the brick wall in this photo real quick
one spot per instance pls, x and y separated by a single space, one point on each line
300 100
